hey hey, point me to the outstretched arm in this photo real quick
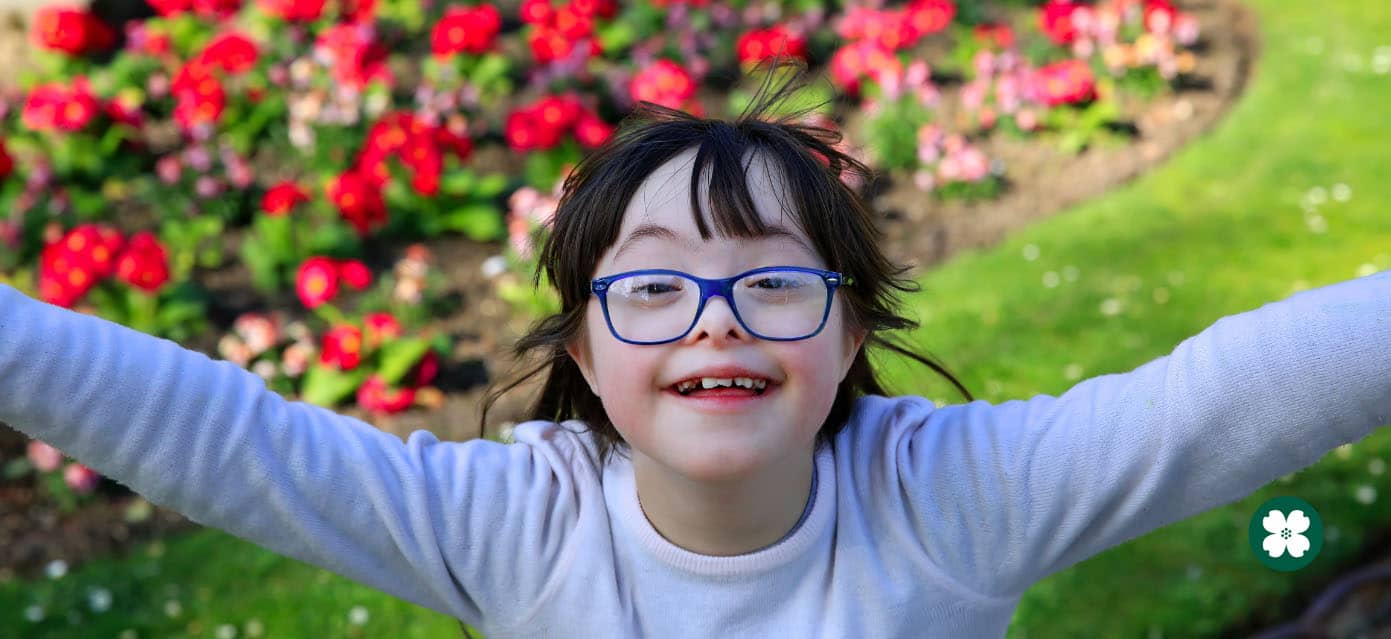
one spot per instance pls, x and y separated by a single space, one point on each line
1036 486
437 524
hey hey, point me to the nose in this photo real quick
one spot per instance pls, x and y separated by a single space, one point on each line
716 322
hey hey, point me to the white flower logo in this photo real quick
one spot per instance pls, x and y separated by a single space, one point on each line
1285 534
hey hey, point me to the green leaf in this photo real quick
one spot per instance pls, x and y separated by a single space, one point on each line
457 182
86 204
616 35
491 68
179 311
326 386
491 185
335 238
542 169
400 356
265 276
17 468
481 222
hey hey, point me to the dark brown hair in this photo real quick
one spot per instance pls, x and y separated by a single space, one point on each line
837 220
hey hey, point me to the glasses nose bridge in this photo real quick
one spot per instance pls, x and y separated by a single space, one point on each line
712 288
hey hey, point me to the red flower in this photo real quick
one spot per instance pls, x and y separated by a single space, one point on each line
355 55
342 347
231 52
95 247
216 9
427 368
466 30
556 111
72 31
392 132
572 24
57 107
317 281
537 12
927 17
199 98
591 131
1055 18
997 34
381 327
144 263
758 45
72 265
596 8
6 162
358 11
358 200
377 398
419 146
1066 82
460 145
125 109
426 182
525 131
865 58
426 163
293 10
355 274
890 29
282 198
168 8
81 479
548 44
664 82
1159 16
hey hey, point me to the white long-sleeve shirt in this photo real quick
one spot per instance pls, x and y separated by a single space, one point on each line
926 522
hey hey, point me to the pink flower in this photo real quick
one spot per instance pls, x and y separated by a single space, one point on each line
918 74
44 457
1027 119
81 479
974 165
234 350
924 179
259 331
296 358
973 94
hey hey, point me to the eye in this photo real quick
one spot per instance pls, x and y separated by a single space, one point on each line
774 283
654 288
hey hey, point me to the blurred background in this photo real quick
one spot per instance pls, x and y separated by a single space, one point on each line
345 196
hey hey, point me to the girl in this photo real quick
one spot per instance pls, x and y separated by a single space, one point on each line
712 454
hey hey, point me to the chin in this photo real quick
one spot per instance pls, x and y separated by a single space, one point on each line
736 462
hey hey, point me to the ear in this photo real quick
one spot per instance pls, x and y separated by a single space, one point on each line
578 349
854 339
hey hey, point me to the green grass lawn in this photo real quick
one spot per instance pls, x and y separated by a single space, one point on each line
1217 231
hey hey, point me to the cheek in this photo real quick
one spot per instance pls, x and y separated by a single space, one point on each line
627 381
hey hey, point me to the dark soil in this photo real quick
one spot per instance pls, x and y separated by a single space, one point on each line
919 231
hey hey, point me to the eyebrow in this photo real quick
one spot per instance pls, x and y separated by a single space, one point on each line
658 231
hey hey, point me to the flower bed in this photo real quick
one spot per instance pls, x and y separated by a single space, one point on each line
343 197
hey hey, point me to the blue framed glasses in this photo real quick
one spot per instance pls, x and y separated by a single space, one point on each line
657 306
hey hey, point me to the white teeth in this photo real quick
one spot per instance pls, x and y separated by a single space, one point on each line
712 382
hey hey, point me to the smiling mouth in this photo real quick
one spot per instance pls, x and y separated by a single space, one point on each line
721 391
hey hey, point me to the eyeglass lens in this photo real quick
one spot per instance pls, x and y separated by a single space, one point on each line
660 307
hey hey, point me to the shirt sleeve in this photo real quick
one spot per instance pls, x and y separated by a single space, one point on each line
1012 493
442 525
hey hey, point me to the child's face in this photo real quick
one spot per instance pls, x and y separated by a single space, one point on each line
633 380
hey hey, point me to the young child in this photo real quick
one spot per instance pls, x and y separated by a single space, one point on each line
801 502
